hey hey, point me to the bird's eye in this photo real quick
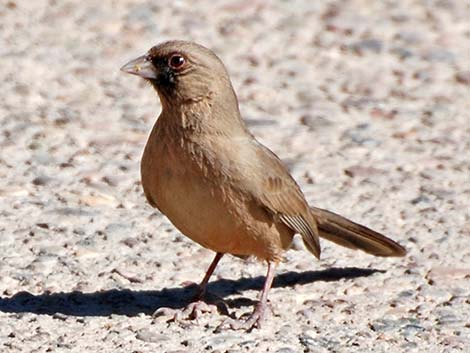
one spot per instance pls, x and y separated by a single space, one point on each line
176 61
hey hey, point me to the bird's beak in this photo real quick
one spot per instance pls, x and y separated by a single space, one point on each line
142 67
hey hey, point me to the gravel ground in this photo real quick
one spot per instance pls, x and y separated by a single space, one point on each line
367 101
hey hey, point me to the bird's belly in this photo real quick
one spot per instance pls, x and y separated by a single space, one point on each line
212 214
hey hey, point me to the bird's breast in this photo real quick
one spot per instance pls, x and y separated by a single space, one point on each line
193 184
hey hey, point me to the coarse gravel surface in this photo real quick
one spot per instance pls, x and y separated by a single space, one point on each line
368 103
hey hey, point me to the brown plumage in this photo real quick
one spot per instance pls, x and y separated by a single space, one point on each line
216 183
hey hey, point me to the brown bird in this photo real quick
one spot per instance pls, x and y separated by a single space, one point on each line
216 183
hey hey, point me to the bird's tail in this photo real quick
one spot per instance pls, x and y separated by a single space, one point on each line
346 233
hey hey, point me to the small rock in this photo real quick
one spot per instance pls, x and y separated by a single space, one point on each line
148 336
409 37
41 180
419 199
447 318
359 135
439 55
260 122
406 294
315 122
306 340
370 45
331 345
286 350
383 325
360 171
130 242
401 52
412 330
60 316
463 77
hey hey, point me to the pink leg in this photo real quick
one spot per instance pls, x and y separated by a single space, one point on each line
258 315
210 271
198 306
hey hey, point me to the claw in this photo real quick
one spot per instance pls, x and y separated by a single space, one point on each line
163 312
194 310
255 320
191 312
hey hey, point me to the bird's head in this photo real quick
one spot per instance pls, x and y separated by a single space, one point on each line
182 72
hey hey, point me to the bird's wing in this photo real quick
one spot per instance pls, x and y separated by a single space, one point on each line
281 196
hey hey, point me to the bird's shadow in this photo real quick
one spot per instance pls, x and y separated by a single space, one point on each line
132 303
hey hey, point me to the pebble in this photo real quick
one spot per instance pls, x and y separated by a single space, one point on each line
41 180
286 350
147 335
463 77
315 122
367 45
307 340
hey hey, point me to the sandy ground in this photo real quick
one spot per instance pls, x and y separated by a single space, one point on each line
367 102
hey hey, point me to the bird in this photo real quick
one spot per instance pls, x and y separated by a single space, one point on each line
217 184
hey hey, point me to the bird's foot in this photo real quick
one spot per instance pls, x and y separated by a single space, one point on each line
255 320
193 311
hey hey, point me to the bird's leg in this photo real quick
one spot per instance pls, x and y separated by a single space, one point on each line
207 276
258 315
256 318
194 309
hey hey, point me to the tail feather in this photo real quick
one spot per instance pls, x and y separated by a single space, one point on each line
344 232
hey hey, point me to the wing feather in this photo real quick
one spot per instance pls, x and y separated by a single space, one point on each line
282 196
